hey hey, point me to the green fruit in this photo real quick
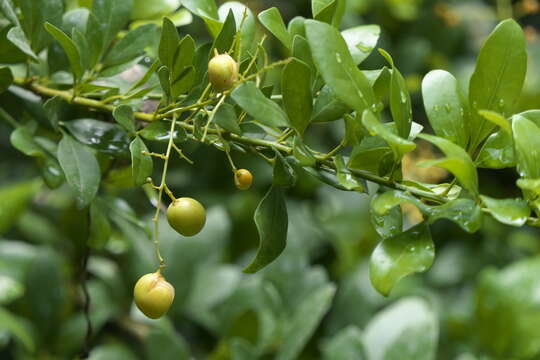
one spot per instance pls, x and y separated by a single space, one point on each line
153 295
222 72
187 216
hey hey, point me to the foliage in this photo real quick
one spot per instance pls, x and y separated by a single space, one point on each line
106 98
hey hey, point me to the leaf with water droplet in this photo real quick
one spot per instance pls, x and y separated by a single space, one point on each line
399 256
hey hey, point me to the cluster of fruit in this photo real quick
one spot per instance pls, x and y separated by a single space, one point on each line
153 294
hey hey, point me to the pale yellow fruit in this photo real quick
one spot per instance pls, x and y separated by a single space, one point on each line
187 216
222 72
153 295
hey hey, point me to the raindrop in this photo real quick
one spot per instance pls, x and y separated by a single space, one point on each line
461 111
436 108
403 97
447 107
411 248
338 58
474 104
501 103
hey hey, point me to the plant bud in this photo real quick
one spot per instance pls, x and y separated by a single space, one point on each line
222 72
187 216
153 295
243 179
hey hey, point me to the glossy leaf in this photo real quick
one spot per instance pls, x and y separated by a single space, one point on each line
369 154
335 63
345 178
18 38
35 14
103 136
395 257
361 40
302 52
346 344
508 211
168 44
224 40
527 146
498 77
272 223
18 328
497 119
273 22
398 145
302 153
327 106
80 168
400 100
262 109
457 161
15 199
8 9
69 47
323 10
141 164
442 102
406 330
497 152
247 26
296 90
207 10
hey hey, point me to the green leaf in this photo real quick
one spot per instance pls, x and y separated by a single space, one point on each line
141 164
69 47
335 63
388 223
272 222
399 146
283 174
94 36
168 44
361 40
80 168
6 79
457 161
395 257
207 10
302 52
406 330
304 322
182 75
369 154
160 131
513 212
296 90
165 341
225 38
163 75
10 289
18 38
497 152
82 45
35 14
345 178
123 114
262 109
100 227
527 143
112 16
302 153
273 22
445 111
131 46
328 107
8 9
400 100
498 77
18 328
100 135
323 10
497 119
346 344
226 118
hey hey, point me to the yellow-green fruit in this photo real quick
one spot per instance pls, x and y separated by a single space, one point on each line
243 179
222 72
153 295
187 216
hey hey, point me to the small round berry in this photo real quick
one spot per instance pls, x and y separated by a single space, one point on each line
187 216
243 179
222 72
153 295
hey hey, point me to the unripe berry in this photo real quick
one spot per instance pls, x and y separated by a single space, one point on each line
153 295
187 216
243 179
222 72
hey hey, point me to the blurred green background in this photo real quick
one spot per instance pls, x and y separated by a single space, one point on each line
480 300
